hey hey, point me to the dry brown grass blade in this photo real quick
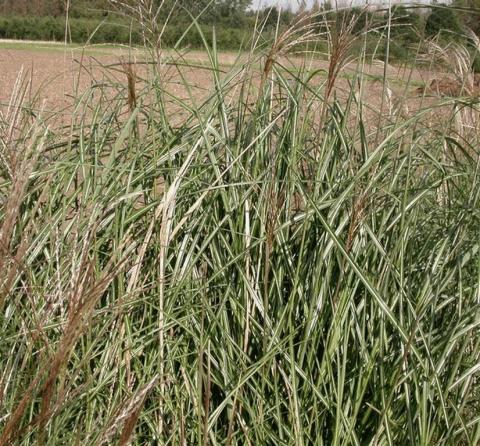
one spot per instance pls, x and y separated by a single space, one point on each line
14 123
130 72
20 180
84 295
127 416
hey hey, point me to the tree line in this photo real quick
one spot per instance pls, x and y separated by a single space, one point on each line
209 9
233 21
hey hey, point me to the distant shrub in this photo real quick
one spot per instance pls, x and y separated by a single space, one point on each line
82 30
444 22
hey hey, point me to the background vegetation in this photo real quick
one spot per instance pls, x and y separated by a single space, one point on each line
100 21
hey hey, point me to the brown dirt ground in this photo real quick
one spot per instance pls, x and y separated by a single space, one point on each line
57 76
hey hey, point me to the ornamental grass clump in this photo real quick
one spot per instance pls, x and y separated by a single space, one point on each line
249 275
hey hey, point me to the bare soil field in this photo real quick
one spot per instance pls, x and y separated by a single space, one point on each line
58 74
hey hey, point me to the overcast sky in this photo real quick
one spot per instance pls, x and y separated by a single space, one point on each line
292 3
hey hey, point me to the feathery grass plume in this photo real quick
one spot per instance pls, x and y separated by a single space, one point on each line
146 14
84 295
461 83
340 39
458 60
22 142
302 31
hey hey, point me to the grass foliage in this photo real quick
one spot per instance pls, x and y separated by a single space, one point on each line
276 266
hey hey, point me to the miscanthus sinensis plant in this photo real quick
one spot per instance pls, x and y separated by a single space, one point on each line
262 264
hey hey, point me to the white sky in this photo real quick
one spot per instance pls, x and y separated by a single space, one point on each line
262 3
292 3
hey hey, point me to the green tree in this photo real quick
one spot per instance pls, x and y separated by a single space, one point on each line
443 21
405 31
207 11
